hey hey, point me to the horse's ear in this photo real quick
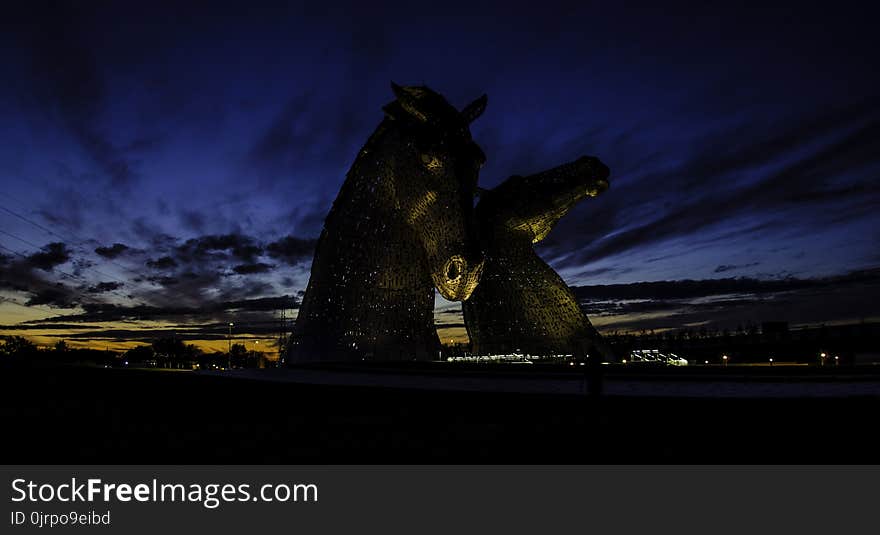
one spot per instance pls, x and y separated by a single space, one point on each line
474 109
408 99
398 91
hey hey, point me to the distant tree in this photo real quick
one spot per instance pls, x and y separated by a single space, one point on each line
238 355
191 352
170 351
17 346
61 346
140 354
191 355
169 346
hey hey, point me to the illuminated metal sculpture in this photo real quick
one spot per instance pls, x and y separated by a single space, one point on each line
522 304
401 226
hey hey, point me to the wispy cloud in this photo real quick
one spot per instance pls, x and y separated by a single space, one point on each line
726 303
741 173
69 80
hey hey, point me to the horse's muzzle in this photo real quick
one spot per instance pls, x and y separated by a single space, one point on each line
458 278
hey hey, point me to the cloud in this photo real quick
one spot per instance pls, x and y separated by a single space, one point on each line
241 247
731 267
282 143
68 79
113 251
684 289
58 296
194 272
729 302
605 270
193 220
165 281
249 269
165 262
109 312
52 255
102 287
29 275
749 171
313 131
291 249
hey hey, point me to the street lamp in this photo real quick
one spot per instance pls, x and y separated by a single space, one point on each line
771 361
229 344
724 360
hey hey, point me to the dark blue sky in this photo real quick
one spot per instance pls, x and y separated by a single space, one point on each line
210 140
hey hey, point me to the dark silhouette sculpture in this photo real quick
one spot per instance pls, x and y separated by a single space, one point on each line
521 303
401 226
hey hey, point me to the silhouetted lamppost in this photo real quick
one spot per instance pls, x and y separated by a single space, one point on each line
229 353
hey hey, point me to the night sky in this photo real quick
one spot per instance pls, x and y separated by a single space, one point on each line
166 169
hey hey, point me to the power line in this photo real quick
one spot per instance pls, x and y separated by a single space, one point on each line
38 247
79 241
41 227
51 285
69 275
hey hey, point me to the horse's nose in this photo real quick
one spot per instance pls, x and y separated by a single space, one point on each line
597 186
454 269
459 277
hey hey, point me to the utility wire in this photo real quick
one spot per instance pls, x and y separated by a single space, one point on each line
51 285
38 247
78 241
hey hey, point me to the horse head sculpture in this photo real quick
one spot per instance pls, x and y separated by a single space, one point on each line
433 177
530 206
401 226
521 302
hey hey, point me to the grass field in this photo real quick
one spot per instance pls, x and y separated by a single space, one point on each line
89 415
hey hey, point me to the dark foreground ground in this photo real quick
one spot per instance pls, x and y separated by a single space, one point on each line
83 415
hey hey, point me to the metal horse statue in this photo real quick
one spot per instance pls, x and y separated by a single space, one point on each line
522 304
401 226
